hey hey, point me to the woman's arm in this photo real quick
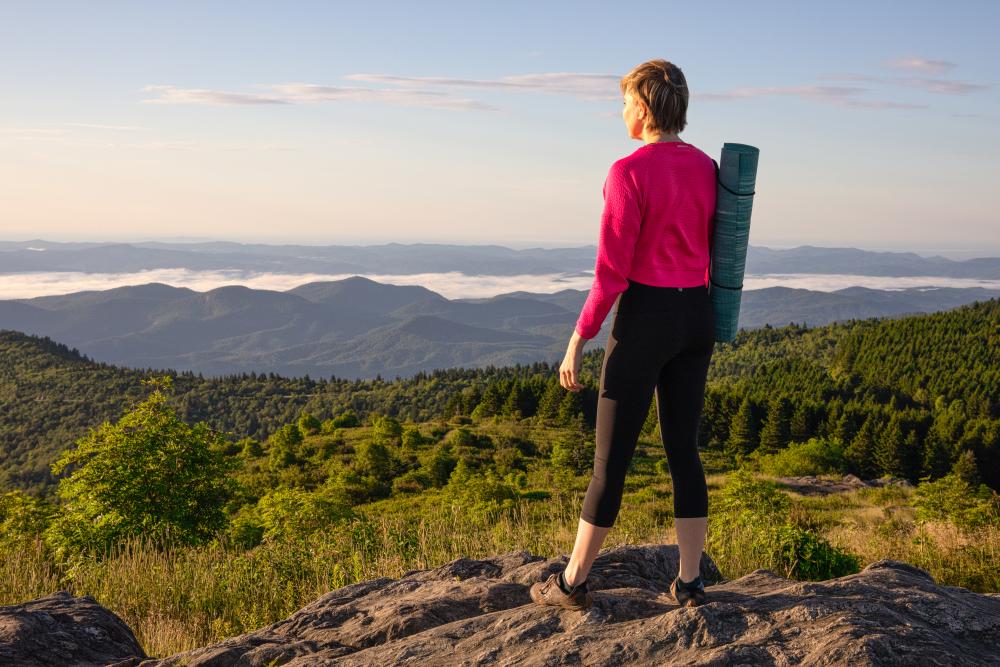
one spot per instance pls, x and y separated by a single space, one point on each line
620 223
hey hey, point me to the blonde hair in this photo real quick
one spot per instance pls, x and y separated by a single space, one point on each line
663 89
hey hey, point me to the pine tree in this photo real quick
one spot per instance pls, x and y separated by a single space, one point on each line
517 403
741 431
570 408
799 426
548 407
491 403
911 457
937 456
967 469
861 452
775 434
845 428
889 445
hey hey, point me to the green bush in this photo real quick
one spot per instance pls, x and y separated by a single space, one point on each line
347 419
149 474
484 494
308 424
23 516
413 481
439 463
386 430
751 522
296 513
952 498
809 556
817 456
574 452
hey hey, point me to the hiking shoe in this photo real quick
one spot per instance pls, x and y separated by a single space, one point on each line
690 594
548 592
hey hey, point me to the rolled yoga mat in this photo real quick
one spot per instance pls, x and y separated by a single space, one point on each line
735 179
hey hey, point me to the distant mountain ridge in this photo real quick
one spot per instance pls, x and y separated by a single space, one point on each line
357 327
496 260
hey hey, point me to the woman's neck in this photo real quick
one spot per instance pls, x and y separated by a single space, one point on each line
657 137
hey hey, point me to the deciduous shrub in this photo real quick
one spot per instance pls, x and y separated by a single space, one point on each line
751 520
816 456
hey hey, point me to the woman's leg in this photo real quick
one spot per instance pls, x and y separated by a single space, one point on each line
589 539
680 395
691 542
628 379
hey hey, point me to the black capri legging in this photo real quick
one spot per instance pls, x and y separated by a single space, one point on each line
661 340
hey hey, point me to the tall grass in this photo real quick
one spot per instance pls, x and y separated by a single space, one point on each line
176 599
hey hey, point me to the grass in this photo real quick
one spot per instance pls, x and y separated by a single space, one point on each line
175 599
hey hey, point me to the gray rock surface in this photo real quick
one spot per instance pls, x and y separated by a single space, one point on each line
477 612
471 612
809 485
63 630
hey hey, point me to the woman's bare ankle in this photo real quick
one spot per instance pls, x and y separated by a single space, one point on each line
572 576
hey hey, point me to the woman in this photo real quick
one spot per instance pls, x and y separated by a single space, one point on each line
653 258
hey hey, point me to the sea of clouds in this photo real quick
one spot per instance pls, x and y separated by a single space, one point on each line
453 285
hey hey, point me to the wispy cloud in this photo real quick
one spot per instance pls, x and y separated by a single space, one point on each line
836 95
98 126
174 95
932 84
604 87
311 93
943 86
306 93
584 85
921 64
432 91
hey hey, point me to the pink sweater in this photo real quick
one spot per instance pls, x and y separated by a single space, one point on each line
656 227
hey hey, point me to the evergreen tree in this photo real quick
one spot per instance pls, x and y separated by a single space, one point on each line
860 453
845 428
911 456
492 402
967 469
711 432
889 448
570 407
776 433
517 404
741 431
937 456
548 406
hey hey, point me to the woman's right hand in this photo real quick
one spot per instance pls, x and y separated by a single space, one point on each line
569 371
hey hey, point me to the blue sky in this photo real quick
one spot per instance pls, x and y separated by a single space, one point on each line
484 122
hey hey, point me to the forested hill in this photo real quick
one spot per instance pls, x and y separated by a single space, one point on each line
906 396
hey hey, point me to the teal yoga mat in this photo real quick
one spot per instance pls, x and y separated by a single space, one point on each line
736 178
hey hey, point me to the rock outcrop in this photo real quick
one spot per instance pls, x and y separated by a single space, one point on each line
477 612
59 629
809 485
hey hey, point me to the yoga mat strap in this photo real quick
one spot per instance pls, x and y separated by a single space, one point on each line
724 286
723 185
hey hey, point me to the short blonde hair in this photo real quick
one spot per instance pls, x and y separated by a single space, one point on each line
663 89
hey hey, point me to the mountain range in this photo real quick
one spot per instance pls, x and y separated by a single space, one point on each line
91 257
357 327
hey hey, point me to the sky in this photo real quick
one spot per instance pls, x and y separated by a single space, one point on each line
476 122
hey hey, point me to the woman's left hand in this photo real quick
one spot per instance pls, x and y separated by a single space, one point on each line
569 371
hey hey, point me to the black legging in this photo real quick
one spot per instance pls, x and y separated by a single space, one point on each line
662 339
